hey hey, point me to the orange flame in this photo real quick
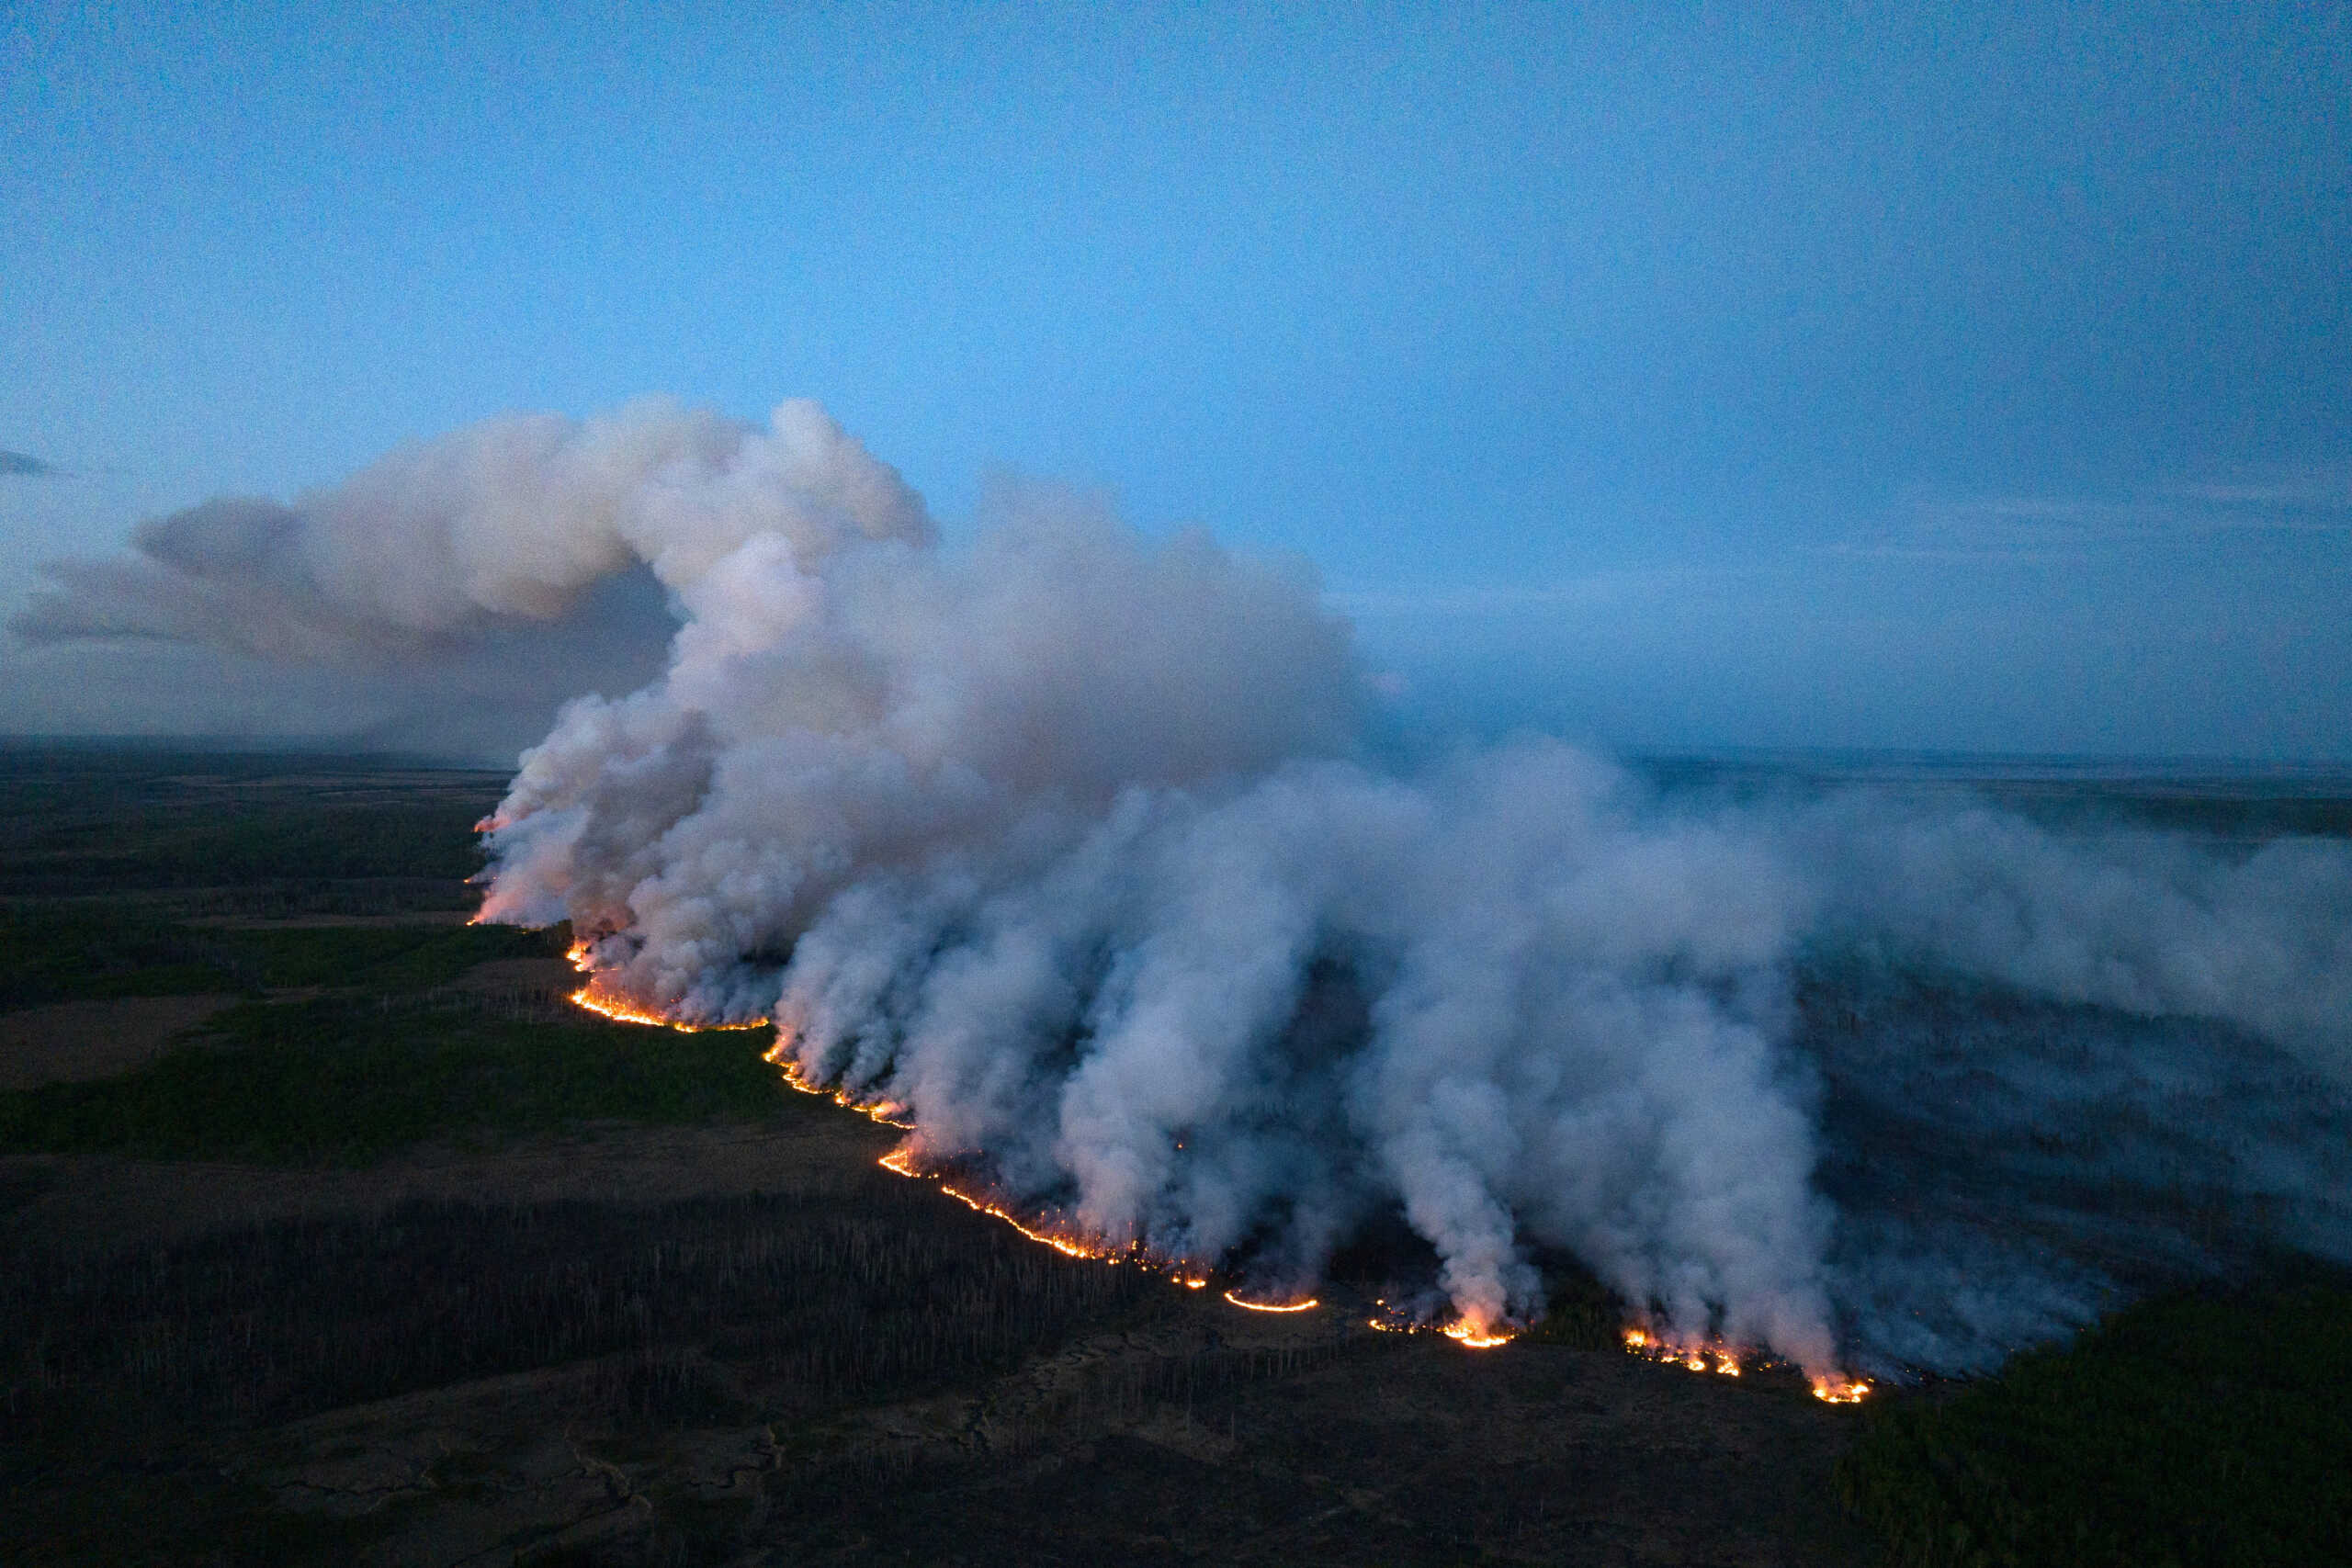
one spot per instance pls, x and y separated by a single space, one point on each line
888 1112
597 998
1463 1331
1068 1246
901 1162
1307 1305
1698 1356
1725 1360
623 1009
1475 1337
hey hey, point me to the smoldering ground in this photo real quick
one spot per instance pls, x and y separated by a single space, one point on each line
1064 842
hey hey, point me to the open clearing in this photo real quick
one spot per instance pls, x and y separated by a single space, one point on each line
76 1042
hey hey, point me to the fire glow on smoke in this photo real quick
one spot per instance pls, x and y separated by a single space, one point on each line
605 1002
1071 1242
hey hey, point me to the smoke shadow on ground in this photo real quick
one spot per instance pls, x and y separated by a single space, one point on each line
2005 1168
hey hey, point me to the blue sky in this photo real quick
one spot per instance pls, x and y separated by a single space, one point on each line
1974 377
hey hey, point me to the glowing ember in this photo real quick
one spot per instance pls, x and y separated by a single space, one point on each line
1307 1305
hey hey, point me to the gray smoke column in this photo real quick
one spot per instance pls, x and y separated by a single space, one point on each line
1057 845
1062 843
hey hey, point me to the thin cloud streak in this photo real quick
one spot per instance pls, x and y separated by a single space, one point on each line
1592 590
2027 529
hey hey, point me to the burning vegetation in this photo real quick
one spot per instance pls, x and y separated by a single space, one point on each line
606 1001
1713 1355
1729 1361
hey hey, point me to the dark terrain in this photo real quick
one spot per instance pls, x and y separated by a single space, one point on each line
330 1233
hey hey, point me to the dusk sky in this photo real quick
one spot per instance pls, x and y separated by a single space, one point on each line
1960 378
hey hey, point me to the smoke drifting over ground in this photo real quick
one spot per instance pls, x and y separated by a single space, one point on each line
1063 844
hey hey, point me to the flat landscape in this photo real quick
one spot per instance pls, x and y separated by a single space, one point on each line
330 1231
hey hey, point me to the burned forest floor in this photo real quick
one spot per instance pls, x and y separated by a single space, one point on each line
330 1234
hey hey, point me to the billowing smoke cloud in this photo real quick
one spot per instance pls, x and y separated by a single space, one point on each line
463 584
1062 844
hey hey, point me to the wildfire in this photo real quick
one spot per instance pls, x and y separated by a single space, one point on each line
1470 1336
1068 1246
887 1112
899 1161
1722 1359
595 998
1474 1336
1307 1305
1716 1356
622 1010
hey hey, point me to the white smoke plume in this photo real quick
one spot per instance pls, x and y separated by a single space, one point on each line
456 587
1062 843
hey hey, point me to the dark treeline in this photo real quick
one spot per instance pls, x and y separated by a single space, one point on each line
71 949
349 1079
742 1308
2208 1427
95 822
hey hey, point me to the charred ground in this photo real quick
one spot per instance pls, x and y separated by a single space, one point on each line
328 1232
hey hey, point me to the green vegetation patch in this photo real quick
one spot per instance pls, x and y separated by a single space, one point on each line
71 950
344 1080
70 953
2193 1430
162 846
385 958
